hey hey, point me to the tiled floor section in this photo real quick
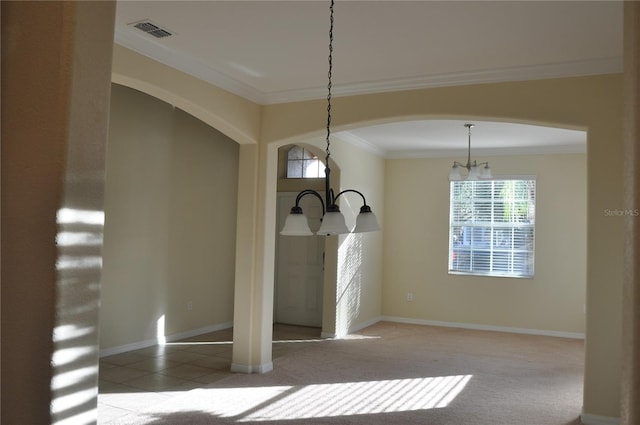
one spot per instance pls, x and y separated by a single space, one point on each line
138 379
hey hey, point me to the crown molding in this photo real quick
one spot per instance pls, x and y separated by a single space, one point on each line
186 64
486 152
189 65
361 143
536 72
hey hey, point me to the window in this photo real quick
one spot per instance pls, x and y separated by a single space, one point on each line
303 164
492 227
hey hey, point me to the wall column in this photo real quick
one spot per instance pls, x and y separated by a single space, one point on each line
253 296
56 69
631 309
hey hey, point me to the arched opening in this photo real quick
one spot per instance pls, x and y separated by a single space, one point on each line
170 232
299 265
346 270
416 238
417 286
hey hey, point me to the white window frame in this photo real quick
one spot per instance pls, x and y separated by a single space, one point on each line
307 162
477 242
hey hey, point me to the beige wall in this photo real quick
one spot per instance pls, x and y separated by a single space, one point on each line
170 208
360 260
417 240
631 311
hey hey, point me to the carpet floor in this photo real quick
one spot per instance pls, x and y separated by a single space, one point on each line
388 373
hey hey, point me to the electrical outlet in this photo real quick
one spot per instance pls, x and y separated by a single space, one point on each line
190 305
409 296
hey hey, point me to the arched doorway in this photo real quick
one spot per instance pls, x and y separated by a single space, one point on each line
299 265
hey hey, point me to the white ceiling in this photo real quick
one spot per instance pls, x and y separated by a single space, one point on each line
446 138
276 51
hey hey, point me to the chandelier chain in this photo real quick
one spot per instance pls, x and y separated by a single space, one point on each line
328 153
333 222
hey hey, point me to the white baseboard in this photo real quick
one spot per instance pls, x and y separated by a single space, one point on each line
199 331
128 347
359 326
174 337
241 368
353 328
588 419
573 335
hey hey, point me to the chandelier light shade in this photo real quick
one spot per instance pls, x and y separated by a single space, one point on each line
366 221
296 224
474 169
333 222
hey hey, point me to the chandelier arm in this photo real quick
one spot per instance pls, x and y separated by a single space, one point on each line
469 165
328 192
309 192
354 191
469 127
469 151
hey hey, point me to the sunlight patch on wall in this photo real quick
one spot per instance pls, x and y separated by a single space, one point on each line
160 336
74 382
76 216
349 283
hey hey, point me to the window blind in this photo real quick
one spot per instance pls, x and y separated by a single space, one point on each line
492 227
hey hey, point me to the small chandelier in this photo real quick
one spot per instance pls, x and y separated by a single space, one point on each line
333 222
476 170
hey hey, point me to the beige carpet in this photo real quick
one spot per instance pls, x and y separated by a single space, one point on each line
395 374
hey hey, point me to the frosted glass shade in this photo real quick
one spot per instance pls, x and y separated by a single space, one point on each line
455 173
333 224
474 173
296 224
486 172
366 222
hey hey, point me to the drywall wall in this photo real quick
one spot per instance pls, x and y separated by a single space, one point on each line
360 255
170 210
417 242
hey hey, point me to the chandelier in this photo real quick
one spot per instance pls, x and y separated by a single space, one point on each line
475 170
333 222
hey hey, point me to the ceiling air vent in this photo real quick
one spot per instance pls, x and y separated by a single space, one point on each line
151 29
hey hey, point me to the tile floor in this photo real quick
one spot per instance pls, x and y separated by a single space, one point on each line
137 379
